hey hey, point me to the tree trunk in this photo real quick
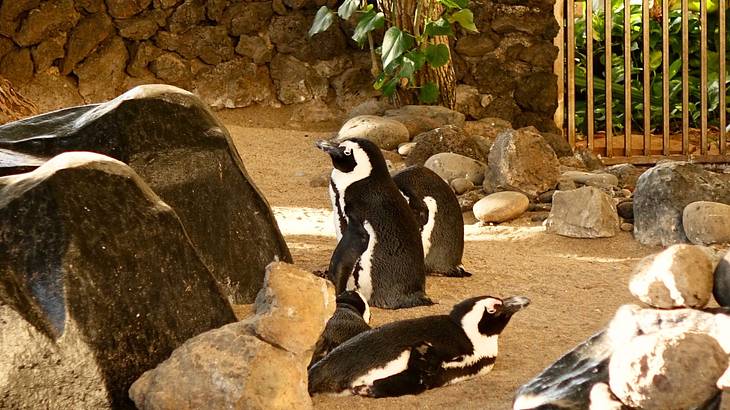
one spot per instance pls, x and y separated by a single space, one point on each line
13 106
402 14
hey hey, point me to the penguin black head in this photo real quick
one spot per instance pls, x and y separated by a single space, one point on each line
486 316
354 159
356 301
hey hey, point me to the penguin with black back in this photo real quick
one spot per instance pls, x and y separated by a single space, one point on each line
351 318
438 214
411 356
379 252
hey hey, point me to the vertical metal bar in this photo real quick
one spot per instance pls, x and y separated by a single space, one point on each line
703 77
646 56
665 77
589 71
685 77
627 77
559 66
571 71
722 109
609 78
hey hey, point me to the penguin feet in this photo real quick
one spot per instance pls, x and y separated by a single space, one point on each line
458 272
363 390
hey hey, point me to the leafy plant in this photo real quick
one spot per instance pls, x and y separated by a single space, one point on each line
655 65
402 53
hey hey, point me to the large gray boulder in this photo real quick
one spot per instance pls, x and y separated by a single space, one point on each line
259 363
98 283
585 212
382 131
448 138
664 191
187 157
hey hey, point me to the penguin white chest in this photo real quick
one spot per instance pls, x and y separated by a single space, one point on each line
428 227
338 210
363 269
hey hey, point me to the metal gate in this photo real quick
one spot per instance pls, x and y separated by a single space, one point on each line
625 97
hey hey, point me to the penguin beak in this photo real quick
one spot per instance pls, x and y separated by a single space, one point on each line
514 304
330 148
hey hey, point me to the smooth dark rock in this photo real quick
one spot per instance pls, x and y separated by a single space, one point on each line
625 210
721 286
664 191
187 157
99 283
449 138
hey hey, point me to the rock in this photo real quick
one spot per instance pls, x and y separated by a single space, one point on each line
353 87
590 160
571 163
247 17
47 52
566 384
462 185
85 37
172 69
115 284
487 127
209 43
313 112
50 17
721 286
476 45
142 27
446 139
627 175
601 398
102 73
546 197
538 92
11 10
706 223
17 66
664 191
235 83
468 101
142 54
680 276
625 210
533 207
382 131
369 107
405 148
123 9
289 35
187 15
660 370
559 144
296 81
444 115
189 155
626 227
256 48
415 124
275 344
467 200
6 44
583 213
501 206
521 161
587 178
51 91
450 166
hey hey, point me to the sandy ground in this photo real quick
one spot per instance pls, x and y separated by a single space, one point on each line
575 285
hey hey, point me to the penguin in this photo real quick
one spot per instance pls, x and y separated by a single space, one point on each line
351 317
379 252
438 213
411 356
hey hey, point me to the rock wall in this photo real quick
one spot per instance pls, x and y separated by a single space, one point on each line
234 53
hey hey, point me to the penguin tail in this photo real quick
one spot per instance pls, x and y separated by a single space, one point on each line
413 300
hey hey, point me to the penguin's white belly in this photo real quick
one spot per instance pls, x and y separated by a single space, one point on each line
364 282
337 211
428 227
393 367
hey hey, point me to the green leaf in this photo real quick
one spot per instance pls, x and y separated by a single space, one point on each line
466 18
454 4
418 58
388 87
440 27
395 43
347 8
655 59
368 22
322 21
407 69
437 55
429 93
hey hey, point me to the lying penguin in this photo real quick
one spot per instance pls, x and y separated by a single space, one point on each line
350 319
411 356
379 252
438 214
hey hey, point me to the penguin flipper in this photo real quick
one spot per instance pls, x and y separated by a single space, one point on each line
346 255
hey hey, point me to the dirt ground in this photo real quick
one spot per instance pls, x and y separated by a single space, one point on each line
575 284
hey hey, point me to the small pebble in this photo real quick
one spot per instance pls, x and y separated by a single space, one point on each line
627 227
546 197
406 148
539 207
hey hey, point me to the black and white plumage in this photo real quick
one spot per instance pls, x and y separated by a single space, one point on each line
379 251
349 320
411 356
438 214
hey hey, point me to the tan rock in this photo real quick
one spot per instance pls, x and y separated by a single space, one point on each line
586 212
501 206
706 222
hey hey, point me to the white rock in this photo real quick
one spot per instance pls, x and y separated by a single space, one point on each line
601 398
680 276
501 206
587 178
585 212
667 370
707 222
383 132
405 148
450 166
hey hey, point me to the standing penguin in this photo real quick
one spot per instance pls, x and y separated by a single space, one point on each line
349 320
379 252
411 356
439 215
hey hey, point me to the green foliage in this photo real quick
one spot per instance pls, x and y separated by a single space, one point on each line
655 66
402 53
